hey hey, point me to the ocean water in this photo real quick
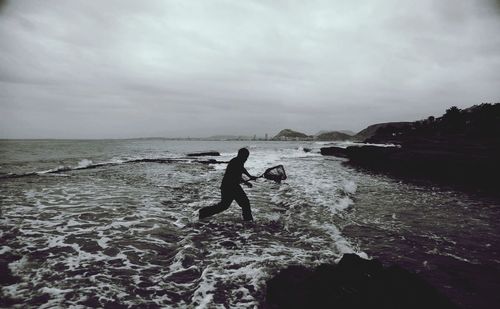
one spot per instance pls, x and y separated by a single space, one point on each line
114 223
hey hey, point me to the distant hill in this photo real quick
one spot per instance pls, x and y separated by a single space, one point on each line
288 134
370 131
333 136
348 132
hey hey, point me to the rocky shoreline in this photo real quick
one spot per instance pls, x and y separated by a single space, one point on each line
461 148
352 283
463 165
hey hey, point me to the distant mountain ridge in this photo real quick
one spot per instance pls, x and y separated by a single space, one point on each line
367 133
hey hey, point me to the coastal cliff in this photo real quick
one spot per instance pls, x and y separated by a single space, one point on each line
460 148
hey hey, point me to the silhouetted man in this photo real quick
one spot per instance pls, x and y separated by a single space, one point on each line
231 189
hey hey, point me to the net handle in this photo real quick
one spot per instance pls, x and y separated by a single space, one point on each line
262 175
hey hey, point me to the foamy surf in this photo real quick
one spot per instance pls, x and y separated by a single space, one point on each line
122 230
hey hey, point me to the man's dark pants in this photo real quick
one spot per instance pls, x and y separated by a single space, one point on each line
228 195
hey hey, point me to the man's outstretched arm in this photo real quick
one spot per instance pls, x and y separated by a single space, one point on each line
248 174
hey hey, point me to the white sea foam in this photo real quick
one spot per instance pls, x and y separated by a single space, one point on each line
103 242
349 186
202 296
345 144
84 163
5 249
117 225
341 204
53 170
436 251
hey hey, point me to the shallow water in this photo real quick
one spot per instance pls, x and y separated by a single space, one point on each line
92 226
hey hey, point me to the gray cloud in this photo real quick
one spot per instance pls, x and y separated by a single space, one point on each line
123 68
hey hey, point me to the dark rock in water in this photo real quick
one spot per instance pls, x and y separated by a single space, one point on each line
184 276
229 244
334 151
210 161
92 302
353 283
204 154
371 154
39 299
6 277
463 165
307 149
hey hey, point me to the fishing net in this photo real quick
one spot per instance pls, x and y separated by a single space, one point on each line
276 173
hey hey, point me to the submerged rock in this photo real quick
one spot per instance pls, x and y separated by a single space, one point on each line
6 276
352 283
204 154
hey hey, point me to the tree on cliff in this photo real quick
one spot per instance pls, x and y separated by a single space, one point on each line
453 120
476 122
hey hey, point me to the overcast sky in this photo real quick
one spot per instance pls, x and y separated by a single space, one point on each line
120 68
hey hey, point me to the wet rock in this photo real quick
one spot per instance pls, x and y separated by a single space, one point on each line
114 305
60 267
123 272
458 164
229 244
188 260
116 262
71 295
211 161
334 151
6 302
92 302
204 154
6 277
353 283
111 251
184 276
168 203
40 299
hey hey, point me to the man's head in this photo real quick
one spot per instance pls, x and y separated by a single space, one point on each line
243 154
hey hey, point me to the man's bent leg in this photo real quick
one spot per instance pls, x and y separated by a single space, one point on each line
226 200
242 200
